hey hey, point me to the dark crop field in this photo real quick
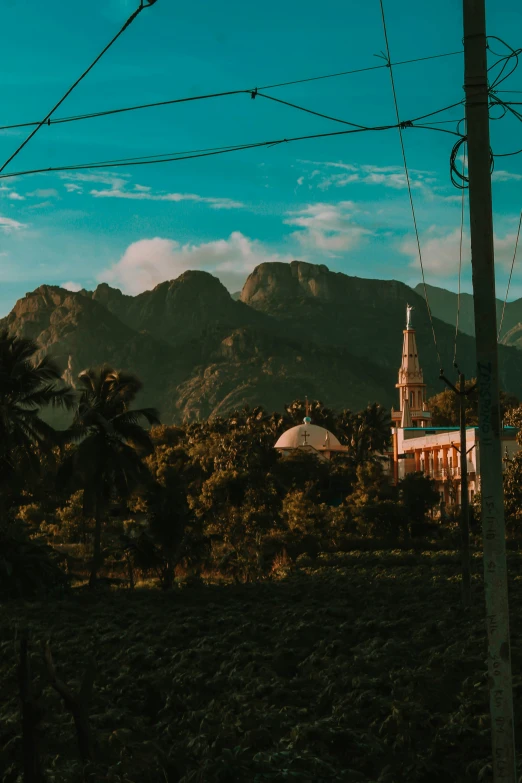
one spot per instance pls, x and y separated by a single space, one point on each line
360 667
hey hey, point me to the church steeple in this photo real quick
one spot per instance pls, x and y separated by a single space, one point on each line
412 389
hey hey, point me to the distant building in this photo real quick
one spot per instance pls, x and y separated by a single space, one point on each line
418 446
308 437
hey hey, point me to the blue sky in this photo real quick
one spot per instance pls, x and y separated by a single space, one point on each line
339 201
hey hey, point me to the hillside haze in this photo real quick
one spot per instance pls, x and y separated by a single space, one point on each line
297 329
444 305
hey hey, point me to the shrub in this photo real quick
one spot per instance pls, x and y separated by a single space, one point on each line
73 526
27 565
381 519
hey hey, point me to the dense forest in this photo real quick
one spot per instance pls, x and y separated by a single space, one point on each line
193 606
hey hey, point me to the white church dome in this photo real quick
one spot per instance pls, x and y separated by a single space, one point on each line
307 434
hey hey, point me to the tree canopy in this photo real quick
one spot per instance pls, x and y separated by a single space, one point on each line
445 406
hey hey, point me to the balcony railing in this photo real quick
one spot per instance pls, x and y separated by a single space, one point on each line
444 473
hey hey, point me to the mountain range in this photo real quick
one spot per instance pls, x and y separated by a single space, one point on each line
445 304
296 329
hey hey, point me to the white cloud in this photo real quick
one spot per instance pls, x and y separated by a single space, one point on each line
339 180
10 193
8 224
72 180
331 164
148 262
145 195
368 174
300 180
440 254
71 286
119 187
102 178
380 169
505 176
504 249
327 227
41 205
44 193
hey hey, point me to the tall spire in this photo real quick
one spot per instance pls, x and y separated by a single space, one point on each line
410 371
412 389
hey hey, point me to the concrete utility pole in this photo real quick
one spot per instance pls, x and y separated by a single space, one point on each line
491 486
464 499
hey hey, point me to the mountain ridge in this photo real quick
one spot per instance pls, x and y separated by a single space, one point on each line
297 329
444 305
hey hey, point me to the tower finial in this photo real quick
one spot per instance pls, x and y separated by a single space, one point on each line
307 419
409 308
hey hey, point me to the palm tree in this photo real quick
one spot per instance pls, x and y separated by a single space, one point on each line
367 433
319 413
379 424
26 386
111 443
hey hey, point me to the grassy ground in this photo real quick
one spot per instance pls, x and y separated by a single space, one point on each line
361 667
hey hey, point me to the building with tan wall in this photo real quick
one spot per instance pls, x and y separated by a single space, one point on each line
435 451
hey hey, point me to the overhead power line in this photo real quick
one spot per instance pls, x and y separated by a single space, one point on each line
207 96
399 126
129 21
510 275
210 151
460 265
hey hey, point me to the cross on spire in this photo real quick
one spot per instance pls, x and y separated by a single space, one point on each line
307 407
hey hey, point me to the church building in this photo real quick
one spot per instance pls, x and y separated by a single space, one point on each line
311 438
419 446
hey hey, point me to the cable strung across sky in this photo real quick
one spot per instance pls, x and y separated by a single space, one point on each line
210 151
207 96
46 119
254 93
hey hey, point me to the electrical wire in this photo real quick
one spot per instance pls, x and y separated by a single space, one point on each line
455 174
408 123
506 58
507 154
439 130
510 275
361 70
249 91
77 117
308 111
460 267
408 183
186 156
508 107
129 21
205 152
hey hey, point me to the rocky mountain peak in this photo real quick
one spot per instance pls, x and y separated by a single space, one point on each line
279 280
